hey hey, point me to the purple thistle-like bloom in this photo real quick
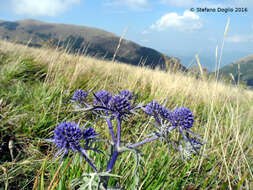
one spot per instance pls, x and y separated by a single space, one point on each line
127 94
79 96
153 108
89 133
102 98
119 105
182 117
165 113
67 136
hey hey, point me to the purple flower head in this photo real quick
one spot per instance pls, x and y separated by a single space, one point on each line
165 113
89 133
102 98
153 108
67 136
182 117
119 105
79 96
127 94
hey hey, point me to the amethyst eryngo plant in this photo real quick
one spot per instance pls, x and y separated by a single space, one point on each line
119 107
68 137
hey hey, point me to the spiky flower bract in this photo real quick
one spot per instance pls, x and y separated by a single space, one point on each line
190 147
79 96
166 121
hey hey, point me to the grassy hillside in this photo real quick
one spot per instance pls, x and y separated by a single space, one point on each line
79 39
242 70
34 84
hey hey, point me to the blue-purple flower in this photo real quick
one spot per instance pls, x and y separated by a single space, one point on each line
79 96
89 133
182 117
119 105
102 98
127 94
115 105
67 136
165 113
153 108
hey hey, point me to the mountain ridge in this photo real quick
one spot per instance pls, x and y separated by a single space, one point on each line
92 41
242 70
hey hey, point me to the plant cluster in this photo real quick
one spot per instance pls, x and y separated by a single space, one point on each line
172 127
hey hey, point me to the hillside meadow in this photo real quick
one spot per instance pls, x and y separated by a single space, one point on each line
34 88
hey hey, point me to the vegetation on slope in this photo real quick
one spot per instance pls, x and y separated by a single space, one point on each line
80 39
242 70
35 82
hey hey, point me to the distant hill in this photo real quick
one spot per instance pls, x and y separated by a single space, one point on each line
245 69
79 39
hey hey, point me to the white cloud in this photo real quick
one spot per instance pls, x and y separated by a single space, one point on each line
188 21
133 4
42 7
239 38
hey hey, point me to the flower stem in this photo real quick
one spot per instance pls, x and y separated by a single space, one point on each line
109 122
112 161
115 148
118 132
143 142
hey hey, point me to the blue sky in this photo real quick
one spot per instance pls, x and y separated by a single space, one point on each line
168 26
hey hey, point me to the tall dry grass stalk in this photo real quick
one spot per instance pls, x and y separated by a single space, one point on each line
239 73
216 61
200 67
222 46
122 37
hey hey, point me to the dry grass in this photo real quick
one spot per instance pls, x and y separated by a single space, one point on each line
161 84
